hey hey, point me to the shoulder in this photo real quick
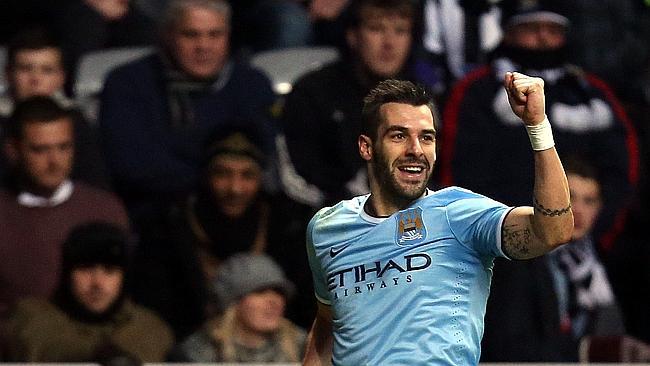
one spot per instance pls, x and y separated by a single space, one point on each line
93 198
95 194
333 70
244 71
461 204
340 222
147 62
340 213
147 320
450 195
321 78
33 313
140 70
478 76
34 306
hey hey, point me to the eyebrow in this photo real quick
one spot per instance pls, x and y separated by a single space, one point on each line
430 131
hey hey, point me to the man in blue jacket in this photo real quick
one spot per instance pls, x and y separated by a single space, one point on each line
156 112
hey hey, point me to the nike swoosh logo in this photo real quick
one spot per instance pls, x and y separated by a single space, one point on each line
334 253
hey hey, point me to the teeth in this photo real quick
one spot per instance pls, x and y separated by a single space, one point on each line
413 169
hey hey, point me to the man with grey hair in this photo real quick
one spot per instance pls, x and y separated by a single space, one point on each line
157 111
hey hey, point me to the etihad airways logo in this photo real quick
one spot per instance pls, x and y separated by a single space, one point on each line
377 275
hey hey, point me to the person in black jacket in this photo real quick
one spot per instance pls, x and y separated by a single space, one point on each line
228 213
321 119
157 111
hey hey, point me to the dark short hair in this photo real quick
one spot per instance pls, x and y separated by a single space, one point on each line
34 109
391 91
404 8
580 166
31 39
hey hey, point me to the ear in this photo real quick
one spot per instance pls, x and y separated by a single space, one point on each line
365 147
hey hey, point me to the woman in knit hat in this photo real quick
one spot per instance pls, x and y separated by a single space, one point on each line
251 290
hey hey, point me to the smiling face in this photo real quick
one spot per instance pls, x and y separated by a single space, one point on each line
261 311
402 155
199 42
235 182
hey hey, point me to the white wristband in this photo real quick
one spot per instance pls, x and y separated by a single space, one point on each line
541 135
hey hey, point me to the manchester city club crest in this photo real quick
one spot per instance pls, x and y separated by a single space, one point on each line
410 227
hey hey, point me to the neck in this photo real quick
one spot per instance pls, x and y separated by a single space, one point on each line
378 207
382 203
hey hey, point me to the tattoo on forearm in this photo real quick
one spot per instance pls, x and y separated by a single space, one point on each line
547 211
516 240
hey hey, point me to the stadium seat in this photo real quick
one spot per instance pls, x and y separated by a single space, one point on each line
285 66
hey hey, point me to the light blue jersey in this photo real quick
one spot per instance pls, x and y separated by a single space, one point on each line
409 289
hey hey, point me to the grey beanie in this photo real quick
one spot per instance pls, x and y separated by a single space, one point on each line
244 273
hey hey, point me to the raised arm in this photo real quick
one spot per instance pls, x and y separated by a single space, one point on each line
319 340
529 232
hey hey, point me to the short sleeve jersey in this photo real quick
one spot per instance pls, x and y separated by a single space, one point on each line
411 288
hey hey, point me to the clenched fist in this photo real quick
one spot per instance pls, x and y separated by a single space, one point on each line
526 97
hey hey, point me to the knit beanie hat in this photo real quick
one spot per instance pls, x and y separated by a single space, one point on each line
95 243
244 273
236 141
514 12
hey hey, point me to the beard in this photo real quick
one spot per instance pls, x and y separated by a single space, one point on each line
392 189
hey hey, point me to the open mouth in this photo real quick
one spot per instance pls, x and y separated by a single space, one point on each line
412 171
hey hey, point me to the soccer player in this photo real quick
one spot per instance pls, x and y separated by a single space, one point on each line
402 275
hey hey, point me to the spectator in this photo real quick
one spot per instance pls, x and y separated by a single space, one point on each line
632 250
228 214
35 67
156 112
261 25
90 318
272 24
321 119
42 203
252 291
456 52
90 25
610 39
568 301
588 120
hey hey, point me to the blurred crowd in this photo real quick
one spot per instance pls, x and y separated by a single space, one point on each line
161 216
